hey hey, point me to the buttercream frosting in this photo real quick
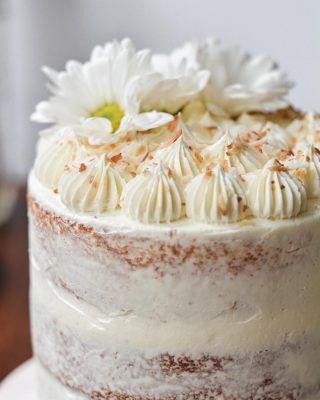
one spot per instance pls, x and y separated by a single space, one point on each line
178 156
216 197
52 162
154 196
91 186
274 193
230 151
305 165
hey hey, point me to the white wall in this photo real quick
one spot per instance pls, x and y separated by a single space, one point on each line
52 31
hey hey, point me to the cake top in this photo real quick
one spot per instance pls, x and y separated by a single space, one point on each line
203 133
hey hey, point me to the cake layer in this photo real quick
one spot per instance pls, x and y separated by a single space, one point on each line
73 347
223 334
98 356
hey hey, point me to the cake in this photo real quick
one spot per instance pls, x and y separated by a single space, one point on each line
174 229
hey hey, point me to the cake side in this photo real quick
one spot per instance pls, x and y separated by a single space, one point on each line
87 309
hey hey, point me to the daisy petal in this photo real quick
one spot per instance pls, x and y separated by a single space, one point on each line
150 120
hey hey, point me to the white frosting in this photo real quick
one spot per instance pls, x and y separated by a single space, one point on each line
305 165
306 129
267 137
216 197
206 127
276 137
179 158
233 153
153 197
256 323
51 163
273 193
92 186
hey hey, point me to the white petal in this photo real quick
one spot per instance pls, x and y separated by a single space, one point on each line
97 124
150 120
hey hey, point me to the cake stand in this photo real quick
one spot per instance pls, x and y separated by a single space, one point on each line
21 383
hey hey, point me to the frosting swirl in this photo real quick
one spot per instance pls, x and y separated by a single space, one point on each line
179 158
216 197
92 186
305 165
274 193
232 153
205 127
154 196
269 139
54 158
305 130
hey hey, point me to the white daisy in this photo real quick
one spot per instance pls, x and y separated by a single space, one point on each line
118 84
239 82
184 79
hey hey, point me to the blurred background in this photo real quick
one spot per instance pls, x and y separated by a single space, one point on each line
49 32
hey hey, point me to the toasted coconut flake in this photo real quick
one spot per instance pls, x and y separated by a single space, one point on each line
116 158
198 157
278 167
173 123
208 171
173 139
211 128
230 146
283 155
222 206
147 157
300 174
82 167
224 165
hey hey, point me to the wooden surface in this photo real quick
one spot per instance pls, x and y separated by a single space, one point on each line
14 312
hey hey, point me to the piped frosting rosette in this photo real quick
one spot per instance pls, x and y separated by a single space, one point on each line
153 196
216 197
274 193
91 186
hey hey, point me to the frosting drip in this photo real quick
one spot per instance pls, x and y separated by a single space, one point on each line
216 197
154 196
93 186
274 193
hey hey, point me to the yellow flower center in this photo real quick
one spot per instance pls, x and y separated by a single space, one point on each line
112 111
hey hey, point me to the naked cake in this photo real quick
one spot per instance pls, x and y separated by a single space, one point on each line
174 229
